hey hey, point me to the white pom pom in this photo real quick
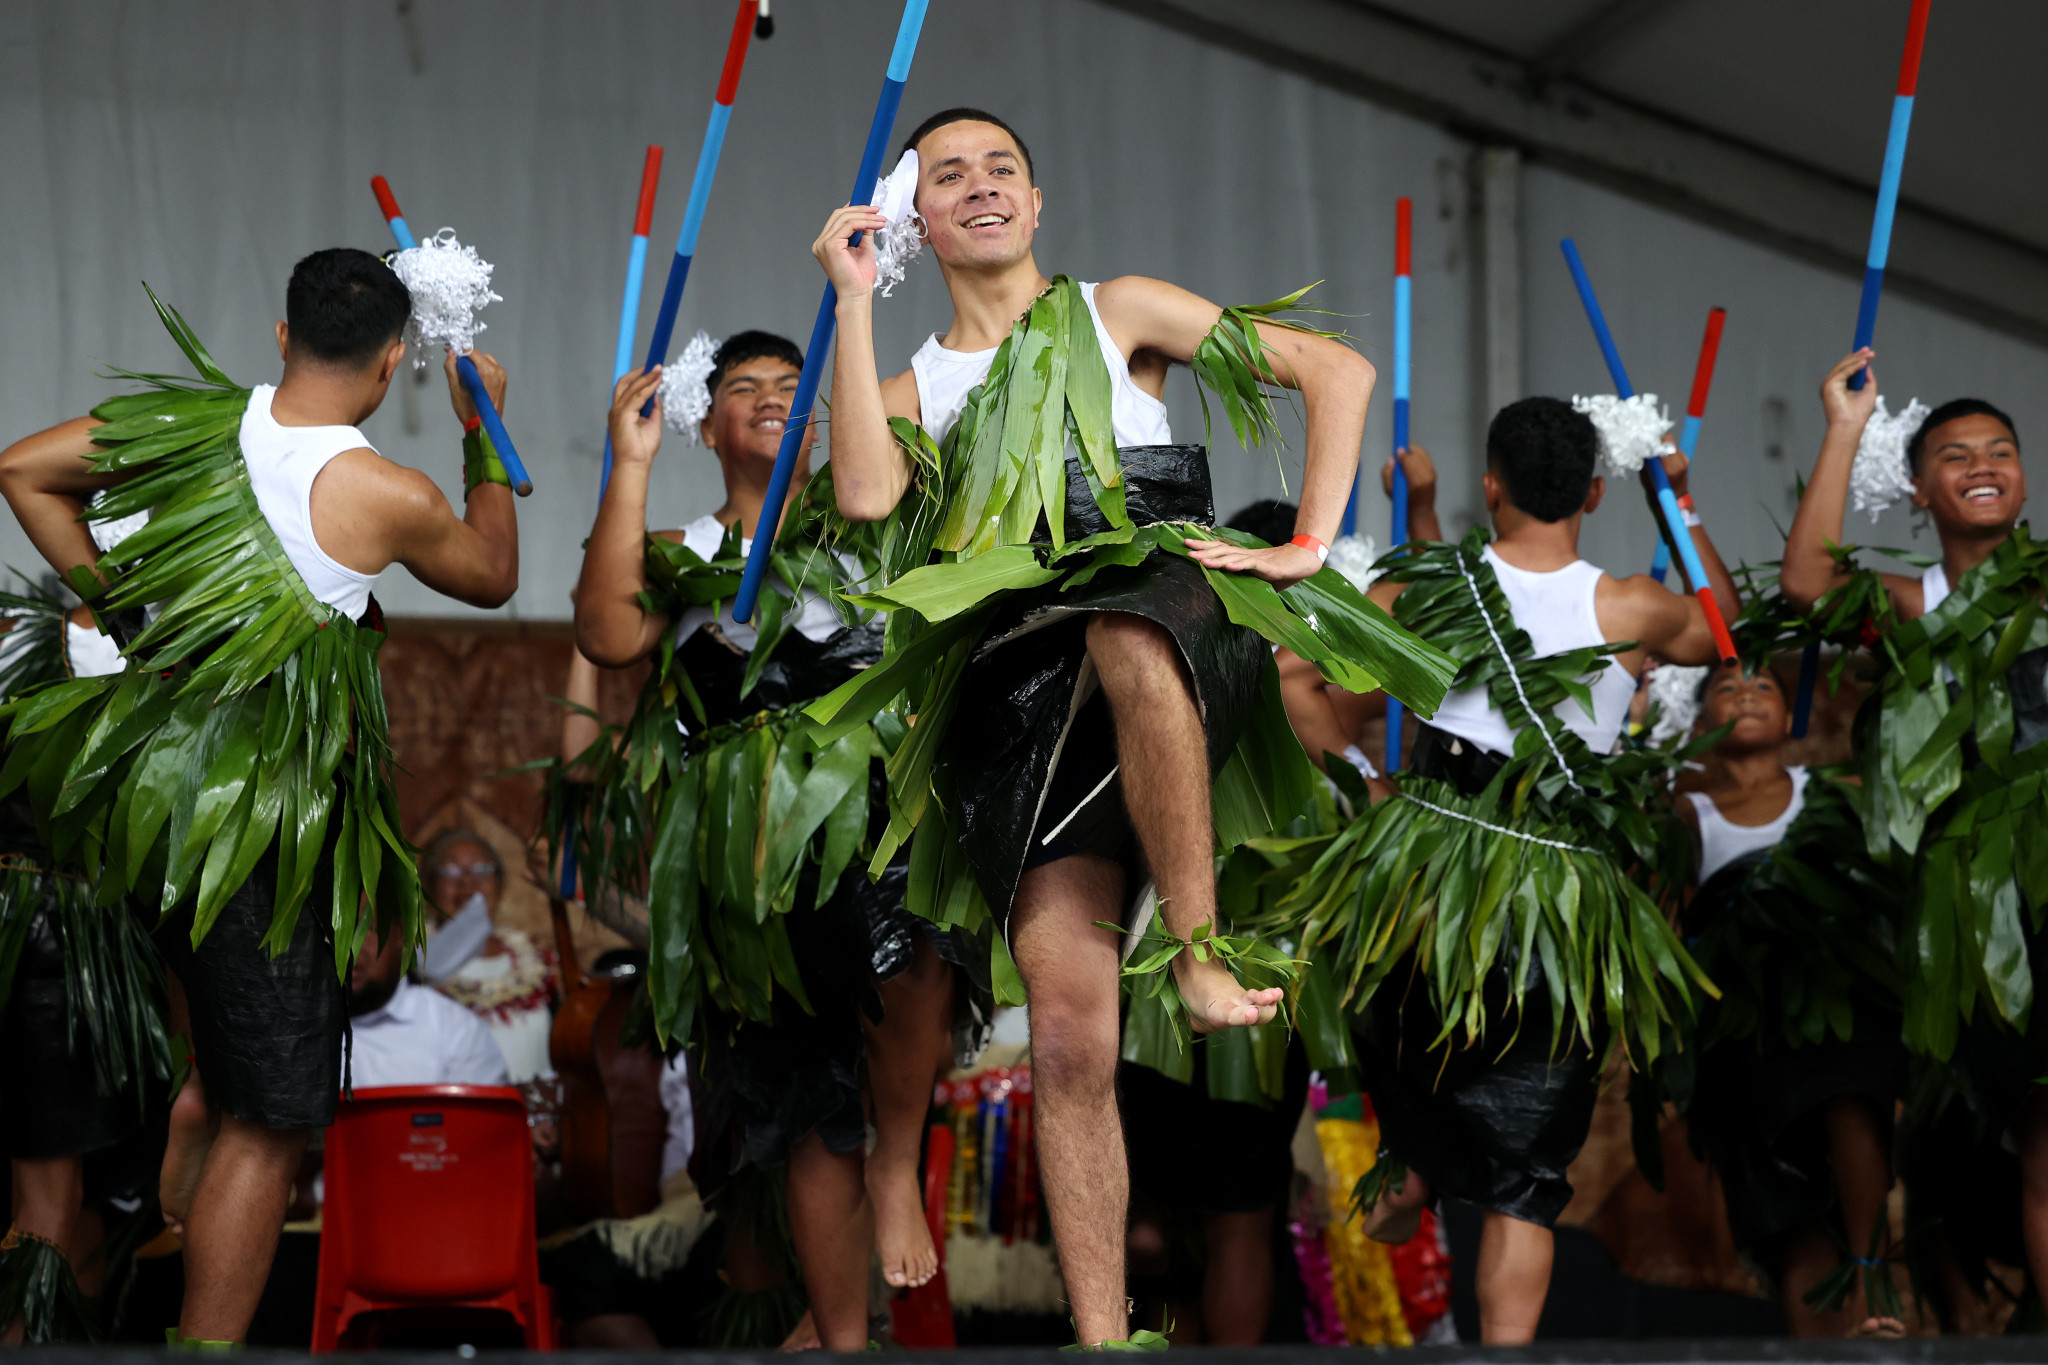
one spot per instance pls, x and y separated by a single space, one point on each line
1675 701
900 240
1631 430
108 534
1881 474
685 391
448 282
1353 556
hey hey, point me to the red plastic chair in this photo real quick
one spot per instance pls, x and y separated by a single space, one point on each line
429 1204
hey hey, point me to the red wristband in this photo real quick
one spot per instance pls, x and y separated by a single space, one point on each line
471 425
1308 542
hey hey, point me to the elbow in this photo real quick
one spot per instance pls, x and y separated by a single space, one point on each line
604 646
1799 588
856 505
16 475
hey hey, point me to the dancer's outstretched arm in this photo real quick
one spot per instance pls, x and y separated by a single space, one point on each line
1335 384
48 479
1809 572
612 628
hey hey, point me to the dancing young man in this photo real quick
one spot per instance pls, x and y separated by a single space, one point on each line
1070 738
789 1075
1483 1060
1953 809
257 809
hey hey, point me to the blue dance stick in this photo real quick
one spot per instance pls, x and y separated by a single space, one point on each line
1404 217
1695 412
1667 501
629 306
797 424
465 368
700 187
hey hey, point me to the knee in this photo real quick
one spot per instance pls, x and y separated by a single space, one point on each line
1074 1036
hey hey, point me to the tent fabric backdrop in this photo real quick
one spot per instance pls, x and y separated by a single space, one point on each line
206 145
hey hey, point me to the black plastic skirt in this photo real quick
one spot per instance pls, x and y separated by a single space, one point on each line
1030 760
1759 1116
1497 1124
50 1103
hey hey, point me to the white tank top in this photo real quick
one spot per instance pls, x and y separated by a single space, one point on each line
1556 609
1722 841
816 618
283 462
1933 587
945 378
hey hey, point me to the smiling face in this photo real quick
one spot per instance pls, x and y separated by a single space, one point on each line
749 408
1969 478
975 195
1754 702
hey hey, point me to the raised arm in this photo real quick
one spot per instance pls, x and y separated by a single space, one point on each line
47 480
1809 572
473 558
869 473
1678 470
1335 383
1422 519
612 628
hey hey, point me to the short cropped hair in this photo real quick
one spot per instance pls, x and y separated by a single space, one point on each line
1270 519
344 306
741 347
1544 452
963 114
1948 412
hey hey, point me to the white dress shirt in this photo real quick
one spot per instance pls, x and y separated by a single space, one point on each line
421 1037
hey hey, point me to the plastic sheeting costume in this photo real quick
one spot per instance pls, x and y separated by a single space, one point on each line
1030 513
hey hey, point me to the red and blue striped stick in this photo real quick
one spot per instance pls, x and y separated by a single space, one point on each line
1667 501
1695 409
636 278
1873 277
465 368
797 424
700 187
1404 227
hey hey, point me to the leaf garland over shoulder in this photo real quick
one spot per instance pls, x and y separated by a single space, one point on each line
1546 867
252 715
720 830
1955 780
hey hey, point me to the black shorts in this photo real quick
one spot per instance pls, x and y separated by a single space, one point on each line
51 1104
266 1031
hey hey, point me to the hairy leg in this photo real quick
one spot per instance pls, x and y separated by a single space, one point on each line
1069 968
1237 1287
231 1231
1163 758
1513 1279
832 1226
906 1053
1809 1255
1863 1182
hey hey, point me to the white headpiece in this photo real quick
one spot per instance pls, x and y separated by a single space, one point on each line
1881 474
1354 556
448 283
1631 430
900 240
1675 700
685 386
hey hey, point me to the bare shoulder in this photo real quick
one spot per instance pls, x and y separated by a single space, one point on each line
899 396
360 483
674 535
1142 313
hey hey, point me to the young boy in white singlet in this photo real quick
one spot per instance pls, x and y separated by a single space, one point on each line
267 1029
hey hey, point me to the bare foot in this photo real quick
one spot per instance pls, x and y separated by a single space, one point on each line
1398 1215
192 1130
1216 999
1879 1328
803 1336
902 1236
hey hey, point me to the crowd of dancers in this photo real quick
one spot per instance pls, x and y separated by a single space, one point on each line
1009 711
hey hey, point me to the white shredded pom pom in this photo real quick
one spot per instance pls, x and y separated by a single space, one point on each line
901 239
1675 700
108 534
685 391
1881 474
1631 430
1353 556
448 282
